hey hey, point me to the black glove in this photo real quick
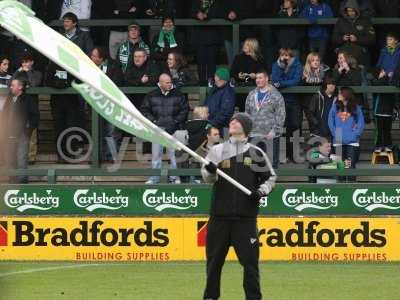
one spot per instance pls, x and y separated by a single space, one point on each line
211 168
256 196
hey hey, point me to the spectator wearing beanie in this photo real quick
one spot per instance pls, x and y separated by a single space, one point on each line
115 9
233 214
126 49
221 100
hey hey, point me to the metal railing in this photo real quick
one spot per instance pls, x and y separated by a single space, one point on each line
235 26
52 174
95 166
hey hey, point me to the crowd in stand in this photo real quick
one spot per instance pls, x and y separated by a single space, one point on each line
352 52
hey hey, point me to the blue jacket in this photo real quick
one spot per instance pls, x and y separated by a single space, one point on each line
350 128
221 105
292 77
314 12
388 62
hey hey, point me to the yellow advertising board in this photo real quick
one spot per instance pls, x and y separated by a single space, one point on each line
171 239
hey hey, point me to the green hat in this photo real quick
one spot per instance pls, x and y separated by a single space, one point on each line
223 74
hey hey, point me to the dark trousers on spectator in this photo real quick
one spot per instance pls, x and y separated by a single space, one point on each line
243 236
17 155
206 62
348 152
67 112
383 131
108 138
270 147
293 123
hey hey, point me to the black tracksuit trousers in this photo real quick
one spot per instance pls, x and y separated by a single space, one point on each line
242 234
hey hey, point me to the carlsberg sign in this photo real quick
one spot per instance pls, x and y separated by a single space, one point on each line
172 200
22 201
92 200
301 200
373 200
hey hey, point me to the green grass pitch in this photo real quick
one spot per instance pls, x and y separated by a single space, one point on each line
175 281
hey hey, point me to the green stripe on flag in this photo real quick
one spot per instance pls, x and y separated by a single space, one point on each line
68 59
109 87
16 20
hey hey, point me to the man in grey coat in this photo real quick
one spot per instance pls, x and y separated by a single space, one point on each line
266 107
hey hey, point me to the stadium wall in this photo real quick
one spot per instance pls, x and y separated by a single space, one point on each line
169 223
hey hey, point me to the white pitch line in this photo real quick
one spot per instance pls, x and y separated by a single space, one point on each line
45 269
62 267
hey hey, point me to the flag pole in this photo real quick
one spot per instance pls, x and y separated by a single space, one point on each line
204 161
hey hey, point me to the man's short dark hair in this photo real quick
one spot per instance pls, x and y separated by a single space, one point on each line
211 128
140 50
70 16
27 56
263 71
392 35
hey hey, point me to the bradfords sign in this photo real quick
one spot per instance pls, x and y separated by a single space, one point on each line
372 200
300 200
163 200
160 200
181 239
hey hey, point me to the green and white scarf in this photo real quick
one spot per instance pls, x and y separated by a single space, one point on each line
169 36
